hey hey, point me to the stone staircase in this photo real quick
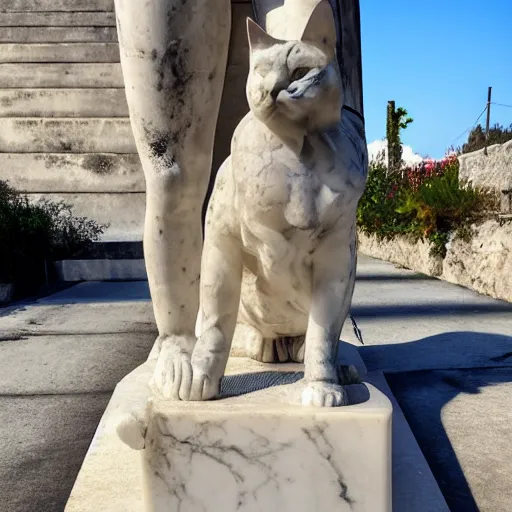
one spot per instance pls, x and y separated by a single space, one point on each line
64 127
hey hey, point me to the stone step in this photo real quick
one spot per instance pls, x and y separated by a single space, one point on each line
59 52
56 5
63 103
94 135
101 270
57 19
61 75
123 212
58 35
58 172
105 261
112 251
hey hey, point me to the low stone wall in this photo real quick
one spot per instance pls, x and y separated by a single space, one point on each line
404 252
484 264
493 171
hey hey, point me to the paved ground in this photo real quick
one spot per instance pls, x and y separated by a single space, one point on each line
463 423
447 353
59 364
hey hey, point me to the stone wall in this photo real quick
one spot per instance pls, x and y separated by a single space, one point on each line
404 252
484 264
493 171
64 127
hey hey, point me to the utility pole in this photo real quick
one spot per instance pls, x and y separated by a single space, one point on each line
489 92
392 137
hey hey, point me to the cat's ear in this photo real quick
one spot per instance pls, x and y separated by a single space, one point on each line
258 38
321 29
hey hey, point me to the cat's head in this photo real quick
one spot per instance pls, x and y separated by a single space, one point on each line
295 80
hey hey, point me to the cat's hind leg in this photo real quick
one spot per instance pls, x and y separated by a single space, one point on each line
289 349
248 341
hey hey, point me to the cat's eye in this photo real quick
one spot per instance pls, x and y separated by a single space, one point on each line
299 73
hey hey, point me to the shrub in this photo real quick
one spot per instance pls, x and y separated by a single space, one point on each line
426 201
69 234
33 233
377 210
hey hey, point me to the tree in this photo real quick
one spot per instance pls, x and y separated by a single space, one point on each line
476 138
397 119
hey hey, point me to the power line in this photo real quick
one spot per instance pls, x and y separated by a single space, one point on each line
472 126
502 105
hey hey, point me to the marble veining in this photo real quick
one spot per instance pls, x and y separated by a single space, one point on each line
234 465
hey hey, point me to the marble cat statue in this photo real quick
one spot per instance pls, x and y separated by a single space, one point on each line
279 259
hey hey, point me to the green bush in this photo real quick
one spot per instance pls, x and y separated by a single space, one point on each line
31 234
426 202
377 210
69 234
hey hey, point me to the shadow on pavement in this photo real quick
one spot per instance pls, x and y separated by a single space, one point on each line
430 309
394 277
422 395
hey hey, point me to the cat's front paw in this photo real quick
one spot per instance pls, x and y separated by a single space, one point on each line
208 364
204 385
173 371
324 394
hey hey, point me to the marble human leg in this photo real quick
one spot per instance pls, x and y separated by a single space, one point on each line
173 56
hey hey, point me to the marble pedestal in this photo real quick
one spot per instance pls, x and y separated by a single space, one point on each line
250 451
249 455
111 477
257 449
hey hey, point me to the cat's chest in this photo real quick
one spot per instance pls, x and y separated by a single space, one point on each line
292 193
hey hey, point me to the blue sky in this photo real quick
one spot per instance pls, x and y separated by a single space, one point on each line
436 58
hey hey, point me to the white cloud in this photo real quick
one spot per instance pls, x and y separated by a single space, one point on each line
376 148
